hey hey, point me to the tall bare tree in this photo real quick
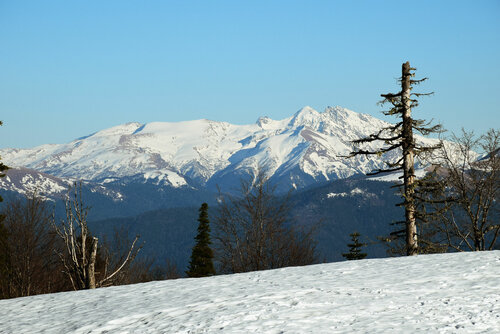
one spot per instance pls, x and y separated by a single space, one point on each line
400 137
80 252
252 231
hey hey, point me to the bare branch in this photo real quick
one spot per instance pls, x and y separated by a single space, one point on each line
130 256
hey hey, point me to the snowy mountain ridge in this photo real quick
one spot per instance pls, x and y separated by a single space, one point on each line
302 149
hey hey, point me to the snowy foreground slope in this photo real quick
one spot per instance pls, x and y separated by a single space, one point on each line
448 293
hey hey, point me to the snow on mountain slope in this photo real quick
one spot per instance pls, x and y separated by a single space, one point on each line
442 293
27 181
308 143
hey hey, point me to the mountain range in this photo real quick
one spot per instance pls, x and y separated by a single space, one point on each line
297 152
151 178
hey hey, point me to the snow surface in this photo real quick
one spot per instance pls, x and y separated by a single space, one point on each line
445 293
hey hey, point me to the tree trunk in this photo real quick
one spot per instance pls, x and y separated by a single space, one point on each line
408 162
90 279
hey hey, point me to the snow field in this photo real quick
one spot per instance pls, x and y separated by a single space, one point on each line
446 293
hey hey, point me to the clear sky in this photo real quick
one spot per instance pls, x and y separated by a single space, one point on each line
70 68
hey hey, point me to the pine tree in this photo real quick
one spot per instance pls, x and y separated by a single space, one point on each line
201 263
355 248
400 138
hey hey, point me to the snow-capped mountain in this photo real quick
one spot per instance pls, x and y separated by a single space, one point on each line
300 150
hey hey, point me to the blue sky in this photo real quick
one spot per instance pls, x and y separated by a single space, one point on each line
70 68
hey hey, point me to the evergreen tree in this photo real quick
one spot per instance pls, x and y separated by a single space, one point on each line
201 263
355 248
399 138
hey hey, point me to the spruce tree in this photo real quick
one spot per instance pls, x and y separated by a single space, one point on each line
400 138
355 248
201 263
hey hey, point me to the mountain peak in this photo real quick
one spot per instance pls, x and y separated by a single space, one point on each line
118 130
263 121
305 116
306 110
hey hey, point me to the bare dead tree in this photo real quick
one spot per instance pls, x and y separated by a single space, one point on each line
467 205
252 231
81 247
400 138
